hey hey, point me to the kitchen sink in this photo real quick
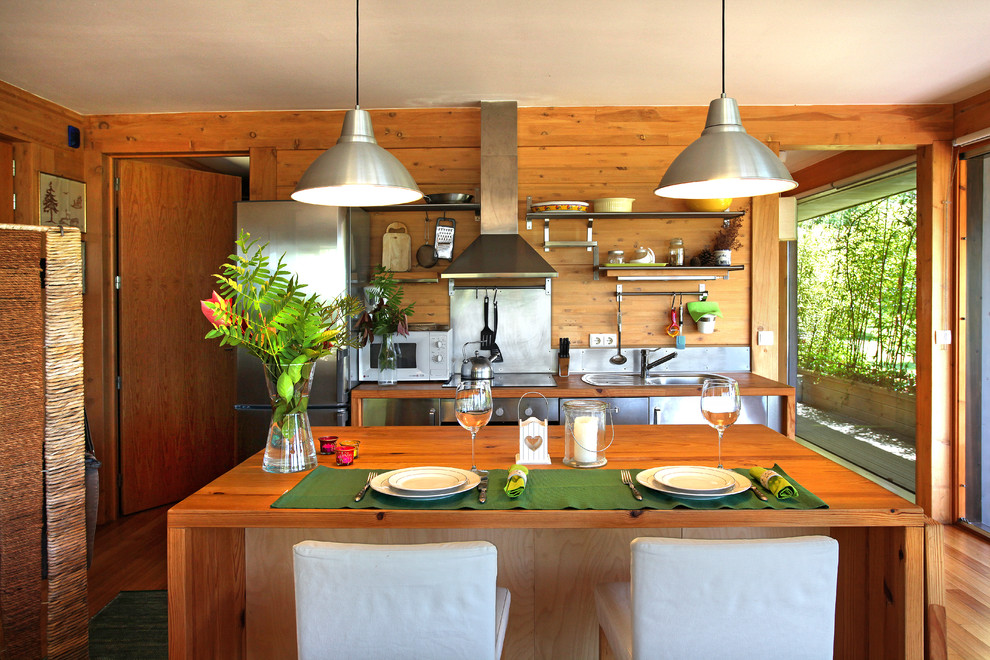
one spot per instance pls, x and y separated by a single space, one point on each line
634 380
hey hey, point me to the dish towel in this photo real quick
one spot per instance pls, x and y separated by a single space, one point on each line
516 483
773 482
699 309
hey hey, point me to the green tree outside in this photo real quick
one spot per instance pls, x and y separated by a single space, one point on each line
856 293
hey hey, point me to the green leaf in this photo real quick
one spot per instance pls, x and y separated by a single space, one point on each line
284 385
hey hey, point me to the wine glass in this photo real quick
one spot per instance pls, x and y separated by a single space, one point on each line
720 404
473 408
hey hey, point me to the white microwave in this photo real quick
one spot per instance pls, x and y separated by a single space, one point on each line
423 355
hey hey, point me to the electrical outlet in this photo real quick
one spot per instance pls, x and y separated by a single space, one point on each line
609 340
595 340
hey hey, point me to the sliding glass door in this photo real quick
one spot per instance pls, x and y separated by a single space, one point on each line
975 359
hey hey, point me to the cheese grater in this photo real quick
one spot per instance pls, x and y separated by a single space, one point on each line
444 240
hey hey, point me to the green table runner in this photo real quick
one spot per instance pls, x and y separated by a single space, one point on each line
334 488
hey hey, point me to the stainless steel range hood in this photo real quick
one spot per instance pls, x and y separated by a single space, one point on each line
500 251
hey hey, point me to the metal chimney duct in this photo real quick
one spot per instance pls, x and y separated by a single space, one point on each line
500 251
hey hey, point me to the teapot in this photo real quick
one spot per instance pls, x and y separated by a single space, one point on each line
642 255
477 367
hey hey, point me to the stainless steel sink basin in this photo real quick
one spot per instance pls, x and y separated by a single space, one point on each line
634 380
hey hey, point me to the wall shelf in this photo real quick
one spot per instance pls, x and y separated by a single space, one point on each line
417 276
668 273
423 208
592 245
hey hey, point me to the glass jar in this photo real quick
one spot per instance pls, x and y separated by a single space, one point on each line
584 433
675 255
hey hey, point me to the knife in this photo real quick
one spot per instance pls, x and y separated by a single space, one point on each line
483 489
759 493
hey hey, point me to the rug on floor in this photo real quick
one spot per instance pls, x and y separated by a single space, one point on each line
132 625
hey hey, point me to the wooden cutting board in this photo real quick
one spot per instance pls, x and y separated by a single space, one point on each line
396 248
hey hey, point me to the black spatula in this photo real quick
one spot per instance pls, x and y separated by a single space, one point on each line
487 334
496 354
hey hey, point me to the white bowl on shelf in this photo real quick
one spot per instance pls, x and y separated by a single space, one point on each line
613 204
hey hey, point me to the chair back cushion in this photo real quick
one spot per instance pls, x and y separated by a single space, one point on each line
428 601
695 598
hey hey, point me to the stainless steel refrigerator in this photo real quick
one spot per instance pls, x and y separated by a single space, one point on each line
328 247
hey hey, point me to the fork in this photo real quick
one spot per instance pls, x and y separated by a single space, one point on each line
364 488
627 480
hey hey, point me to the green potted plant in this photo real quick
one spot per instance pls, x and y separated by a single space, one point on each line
266 311
385 317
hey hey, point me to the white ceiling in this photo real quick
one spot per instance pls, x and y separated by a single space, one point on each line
134 56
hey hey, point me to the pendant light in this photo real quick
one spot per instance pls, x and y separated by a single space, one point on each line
724 161
356 171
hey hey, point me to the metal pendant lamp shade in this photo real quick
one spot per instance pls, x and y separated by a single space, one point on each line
356 171
725 161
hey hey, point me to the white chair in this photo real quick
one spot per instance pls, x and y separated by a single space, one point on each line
692 598
428 601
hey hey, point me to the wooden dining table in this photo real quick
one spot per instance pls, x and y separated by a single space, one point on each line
230 580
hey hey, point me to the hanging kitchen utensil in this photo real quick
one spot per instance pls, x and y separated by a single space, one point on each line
618 358
396 248
487 335
444 237
673 329
496 351
426 255
680 341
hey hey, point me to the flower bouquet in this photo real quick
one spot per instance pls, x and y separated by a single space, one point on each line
385 317
266 311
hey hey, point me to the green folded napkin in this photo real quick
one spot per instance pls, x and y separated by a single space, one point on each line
773 482
698 309
516 483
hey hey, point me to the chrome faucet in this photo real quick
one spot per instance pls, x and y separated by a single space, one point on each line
644 366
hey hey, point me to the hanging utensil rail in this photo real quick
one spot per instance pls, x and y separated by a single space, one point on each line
619 293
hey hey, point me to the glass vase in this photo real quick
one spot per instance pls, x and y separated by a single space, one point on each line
388 361
290 446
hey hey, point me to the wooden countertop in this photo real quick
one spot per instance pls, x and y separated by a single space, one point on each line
243 496
572 386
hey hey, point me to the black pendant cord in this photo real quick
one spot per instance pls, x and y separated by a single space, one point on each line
723 48
357 54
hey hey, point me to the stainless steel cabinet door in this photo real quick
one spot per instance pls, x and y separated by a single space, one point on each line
400 412
633 410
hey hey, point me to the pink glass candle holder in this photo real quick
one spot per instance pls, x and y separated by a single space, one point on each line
345 454
328 444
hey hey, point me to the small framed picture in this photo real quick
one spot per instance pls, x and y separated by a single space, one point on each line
62 202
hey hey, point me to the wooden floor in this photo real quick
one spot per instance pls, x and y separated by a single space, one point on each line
967 593
129 555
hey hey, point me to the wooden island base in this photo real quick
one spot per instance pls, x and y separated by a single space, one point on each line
230 566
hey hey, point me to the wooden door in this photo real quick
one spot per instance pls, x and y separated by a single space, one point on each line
176 400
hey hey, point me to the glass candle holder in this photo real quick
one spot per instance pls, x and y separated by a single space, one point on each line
328 444
584 433
356 444
345 454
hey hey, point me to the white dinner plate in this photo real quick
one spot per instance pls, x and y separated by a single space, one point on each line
645 478
426 480
695 479
380 484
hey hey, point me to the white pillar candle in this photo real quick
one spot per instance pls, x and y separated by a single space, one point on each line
586 439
